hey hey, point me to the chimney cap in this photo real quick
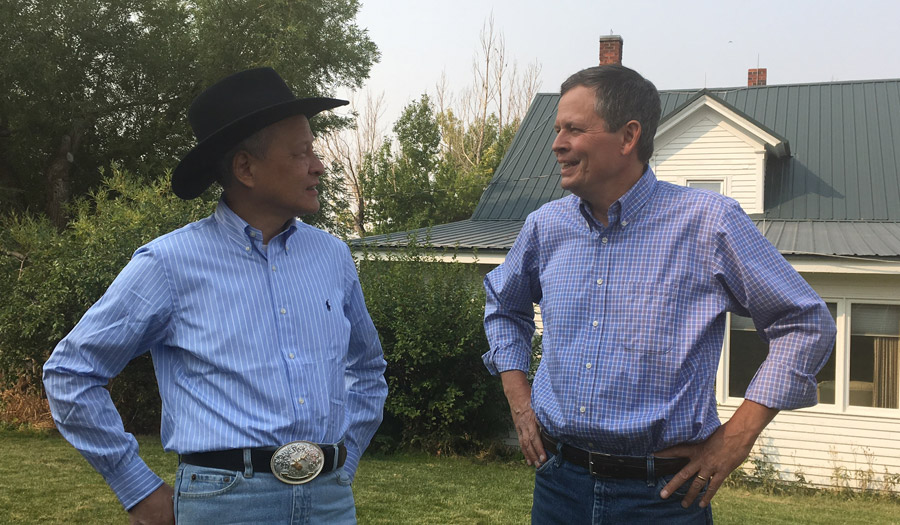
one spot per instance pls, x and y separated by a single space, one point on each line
604 38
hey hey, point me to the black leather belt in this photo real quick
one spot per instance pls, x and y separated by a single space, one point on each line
609 466
261 458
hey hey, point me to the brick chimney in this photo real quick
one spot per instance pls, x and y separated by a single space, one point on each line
756 77
610 50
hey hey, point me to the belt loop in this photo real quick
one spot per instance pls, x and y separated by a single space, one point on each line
248 463
651 471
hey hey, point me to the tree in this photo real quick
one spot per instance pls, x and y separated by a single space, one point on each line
49 278
405 183
399 185
459 188
88 82
498 98
348 151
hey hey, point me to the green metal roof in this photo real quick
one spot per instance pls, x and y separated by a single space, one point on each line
838 193
844 238
845 145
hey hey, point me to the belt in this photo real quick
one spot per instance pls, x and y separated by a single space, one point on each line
609 466
261 458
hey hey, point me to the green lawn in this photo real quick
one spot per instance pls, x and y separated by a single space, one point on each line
43 480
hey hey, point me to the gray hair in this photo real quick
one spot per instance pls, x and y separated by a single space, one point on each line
256 145
621 95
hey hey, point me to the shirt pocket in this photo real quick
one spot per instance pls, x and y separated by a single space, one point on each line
649 311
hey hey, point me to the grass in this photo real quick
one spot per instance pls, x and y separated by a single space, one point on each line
44 480
426 489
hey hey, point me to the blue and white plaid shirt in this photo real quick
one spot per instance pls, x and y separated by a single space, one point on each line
634 316
252 347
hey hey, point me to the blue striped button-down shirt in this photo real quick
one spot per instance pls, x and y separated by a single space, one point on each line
253 346
634 316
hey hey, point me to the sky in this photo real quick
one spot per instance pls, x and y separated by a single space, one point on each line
676 44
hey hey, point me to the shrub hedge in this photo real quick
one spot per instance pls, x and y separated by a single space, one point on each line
429 317
50 278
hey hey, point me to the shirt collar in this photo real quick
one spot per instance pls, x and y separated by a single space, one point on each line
240 231
628 206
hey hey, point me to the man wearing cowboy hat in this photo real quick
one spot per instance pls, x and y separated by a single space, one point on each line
270 370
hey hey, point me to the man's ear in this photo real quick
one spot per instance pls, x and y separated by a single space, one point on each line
631 135
242 168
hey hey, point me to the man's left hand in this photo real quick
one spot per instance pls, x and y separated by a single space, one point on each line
714 459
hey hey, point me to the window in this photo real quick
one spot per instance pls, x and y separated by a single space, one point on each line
874 353
862 373
717 186
748 351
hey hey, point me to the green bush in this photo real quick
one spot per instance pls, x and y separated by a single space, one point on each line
51 278
429 317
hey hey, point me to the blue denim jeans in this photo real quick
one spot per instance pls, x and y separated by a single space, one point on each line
568 495
207 495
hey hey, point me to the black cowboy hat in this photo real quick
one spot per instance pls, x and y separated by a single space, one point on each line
230 111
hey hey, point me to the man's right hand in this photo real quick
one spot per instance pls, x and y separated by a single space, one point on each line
155 509
518 393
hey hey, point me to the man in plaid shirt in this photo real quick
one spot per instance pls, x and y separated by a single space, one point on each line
634 277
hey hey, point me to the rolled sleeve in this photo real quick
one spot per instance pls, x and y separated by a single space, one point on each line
511 290
781 387
799 345
786 311
509 358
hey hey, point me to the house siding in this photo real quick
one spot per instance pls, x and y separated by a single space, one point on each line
707 148
829 450
856 447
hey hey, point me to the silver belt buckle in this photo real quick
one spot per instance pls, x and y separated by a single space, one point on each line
297 462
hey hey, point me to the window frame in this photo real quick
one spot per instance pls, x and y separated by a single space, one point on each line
707 179
841 365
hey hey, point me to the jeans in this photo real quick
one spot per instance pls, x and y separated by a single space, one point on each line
568 495
207 495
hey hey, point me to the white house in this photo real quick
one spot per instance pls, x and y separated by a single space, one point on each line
817 167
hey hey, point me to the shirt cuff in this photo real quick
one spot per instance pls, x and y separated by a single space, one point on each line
133 482
780 387
351 463
508 358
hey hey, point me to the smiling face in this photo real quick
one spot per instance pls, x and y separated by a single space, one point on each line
590 156
285 178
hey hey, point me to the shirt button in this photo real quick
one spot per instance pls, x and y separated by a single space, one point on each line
291 355
595 324
587 365
252 235
604 240
582 409
301 400
273 267
247 248
283 311
599 281
624 223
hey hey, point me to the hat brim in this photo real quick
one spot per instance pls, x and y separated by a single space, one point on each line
198 169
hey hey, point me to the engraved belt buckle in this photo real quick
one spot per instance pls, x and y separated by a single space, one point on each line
297 462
